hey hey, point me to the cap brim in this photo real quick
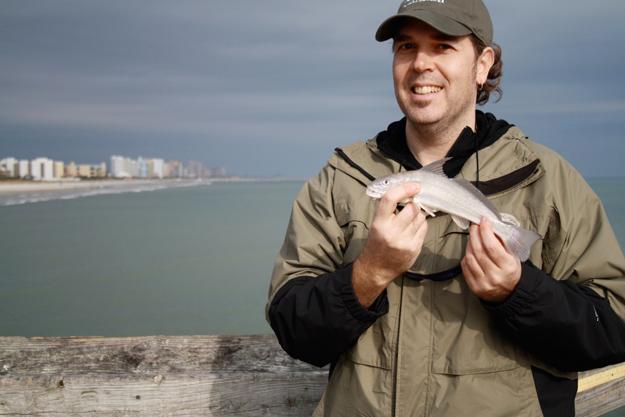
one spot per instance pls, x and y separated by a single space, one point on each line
444 24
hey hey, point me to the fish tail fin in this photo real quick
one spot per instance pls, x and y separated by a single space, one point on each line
520 241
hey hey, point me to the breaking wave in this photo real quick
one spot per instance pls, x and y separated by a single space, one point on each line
29 197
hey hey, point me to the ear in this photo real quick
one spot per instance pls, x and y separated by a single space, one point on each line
484 63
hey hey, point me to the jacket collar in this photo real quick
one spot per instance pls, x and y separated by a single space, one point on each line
392 142
506 162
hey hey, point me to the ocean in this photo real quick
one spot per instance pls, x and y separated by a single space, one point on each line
175 261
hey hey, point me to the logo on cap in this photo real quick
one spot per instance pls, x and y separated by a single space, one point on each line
411 2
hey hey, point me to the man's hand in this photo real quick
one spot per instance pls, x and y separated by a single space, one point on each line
491 272
394 243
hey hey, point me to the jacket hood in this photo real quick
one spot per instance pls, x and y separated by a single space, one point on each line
496 158
392 142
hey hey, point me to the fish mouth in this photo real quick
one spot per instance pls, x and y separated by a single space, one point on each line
374 193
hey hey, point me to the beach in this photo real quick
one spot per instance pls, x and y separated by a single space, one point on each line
23 186
16 192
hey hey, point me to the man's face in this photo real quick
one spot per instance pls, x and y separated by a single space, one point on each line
436 76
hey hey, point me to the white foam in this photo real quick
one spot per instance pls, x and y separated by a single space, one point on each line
38 197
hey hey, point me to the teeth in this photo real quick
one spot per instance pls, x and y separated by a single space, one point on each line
426 90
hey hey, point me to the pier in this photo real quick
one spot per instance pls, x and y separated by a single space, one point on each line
243 376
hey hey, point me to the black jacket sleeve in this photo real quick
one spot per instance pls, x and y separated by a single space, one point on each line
565 325
317 318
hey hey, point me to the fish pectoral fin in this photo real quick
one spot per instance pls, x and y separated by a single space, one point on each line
461 222
427 210
510 219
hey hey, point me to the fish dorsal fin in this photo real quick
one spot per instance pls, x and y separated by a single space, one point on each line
437 167
478 194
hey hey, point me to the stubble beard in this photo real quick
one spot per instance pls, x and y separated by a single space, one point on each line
450 123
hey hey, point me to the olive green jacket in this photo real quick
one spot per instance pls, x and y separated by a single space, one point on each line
436 351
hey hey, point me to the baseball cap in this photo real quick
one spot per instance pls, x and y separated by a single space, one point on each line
451 17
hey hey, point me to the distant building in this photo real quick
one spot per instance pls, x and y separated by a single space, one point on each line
155 168
92 171
59 169
194 169
23 168
100 170
8 167
45 169
71 170
142 168
35 169
42 169
173 169
84 171
123 167
120 167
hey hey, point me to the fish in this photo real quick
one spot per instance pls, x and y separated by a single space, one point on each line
461 200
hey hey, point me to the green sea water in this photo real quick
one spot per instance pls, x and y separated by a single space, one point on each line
178 261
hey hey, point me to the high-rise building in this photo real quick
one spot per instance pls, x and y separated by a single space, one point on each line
98 171
173 169
59 169
8 167
194 169
84 171
142 168
123 167
71 170
42 169
119 168
23 168
156 168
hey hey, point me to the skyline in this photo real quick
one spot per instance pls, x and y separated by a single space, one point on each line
87 80
42 168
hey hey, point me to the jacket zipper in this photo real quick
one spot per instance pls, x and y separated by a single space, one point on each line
396 365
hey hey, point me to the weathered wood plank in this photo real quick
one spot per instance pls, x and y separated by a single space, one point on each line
154 376
180 376
602 398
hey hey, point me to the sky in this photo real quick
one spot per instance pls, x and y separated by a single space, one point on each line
271 88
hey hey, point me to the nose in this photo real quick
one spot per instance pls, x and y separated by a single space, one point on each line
422 61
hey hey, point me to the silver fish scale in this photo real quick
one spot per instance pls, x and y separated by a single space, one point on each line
440 193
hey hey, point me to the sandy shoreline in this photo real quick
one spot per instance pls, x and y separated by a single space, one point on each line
20 187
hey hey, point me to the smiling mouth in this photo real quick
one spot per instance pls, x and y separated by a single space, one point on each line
423 90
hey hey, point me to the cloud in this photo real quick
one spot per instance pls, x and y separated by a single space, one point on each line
226 74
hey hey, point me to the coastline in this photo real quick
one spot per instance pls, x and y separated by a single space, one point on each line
23 192
22 186
17 192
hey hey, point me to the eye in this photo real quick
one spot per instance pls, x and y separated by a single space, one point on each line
404 46
386 182
444 46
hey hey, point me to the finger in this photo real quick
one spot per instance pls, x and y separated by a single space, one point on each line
479 252
474 268
493 247
467 273
420 227
407 216
389 201
469 276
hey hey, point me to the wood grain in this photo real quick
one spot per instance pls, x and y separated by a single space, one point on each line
180 376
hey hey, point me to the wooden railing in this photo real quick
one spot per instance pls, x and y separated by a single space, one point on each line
188 376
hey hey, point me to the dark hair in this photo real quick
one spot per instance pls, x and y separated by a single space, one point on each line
493 82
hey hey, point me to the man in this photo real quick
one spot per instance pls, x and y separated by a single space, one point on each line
416 316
